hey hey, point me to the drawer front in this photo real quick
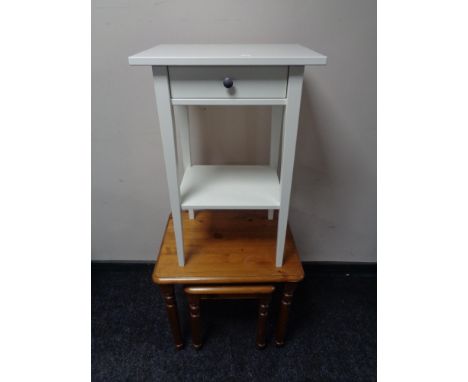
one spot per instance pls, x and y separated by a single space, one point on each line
247 81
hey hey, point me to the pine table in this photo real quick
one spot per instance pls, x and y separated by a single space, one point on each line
227 248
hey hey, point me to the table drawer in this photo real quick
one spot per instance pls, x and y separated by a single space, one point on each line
247 81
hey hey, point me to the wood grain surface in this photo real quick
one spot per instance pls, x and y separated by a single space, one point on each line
230 289
227 247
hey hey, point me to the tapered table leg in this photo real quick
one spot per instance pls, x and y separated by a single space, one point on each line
171 307
286 300
262 318
195 324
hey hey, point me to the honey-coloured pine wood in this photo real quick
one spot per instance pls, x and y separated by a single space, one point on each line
195 320
196 293
167 292
263 306
230 289
227 247
286 301
234 249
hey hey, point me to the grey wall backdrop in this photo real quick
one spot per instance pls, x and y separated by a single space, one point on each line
333 206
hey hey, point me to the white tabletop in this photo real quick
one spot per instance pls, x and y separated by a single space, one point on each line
228 54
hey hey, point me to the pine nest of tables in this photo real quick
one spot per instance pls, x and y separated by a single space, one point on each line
227 248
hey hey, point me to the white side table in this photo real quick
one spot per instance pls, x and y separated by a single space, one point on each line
256 74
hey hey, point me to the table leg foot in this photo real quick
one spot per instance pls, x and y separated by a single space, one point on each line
195 321
262 318
167 292
286 300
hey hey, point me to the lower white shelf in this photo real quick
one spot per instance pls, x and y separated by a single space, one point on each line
230 187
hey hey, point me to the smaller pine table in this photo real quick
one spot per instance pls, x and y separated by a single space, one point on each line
227 248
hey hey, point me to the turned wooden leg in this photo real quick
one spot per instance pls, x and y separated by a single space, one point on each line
286 300
171 307
195 324
262 318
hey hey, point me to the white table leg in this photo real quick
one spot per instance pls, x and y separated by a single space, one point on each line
290 126
275 141
271 214
191 214
163 99
181 119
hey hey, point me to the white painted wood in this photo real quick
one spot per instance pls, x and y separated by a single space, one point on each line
259 76
275 135
191 213
230 187
228 54
249 81
181 117
181 120
275 141
229 101
271 214
290 126
161 88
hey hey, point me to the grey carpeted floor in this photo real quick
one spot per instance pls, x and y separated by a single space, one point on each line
331 332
